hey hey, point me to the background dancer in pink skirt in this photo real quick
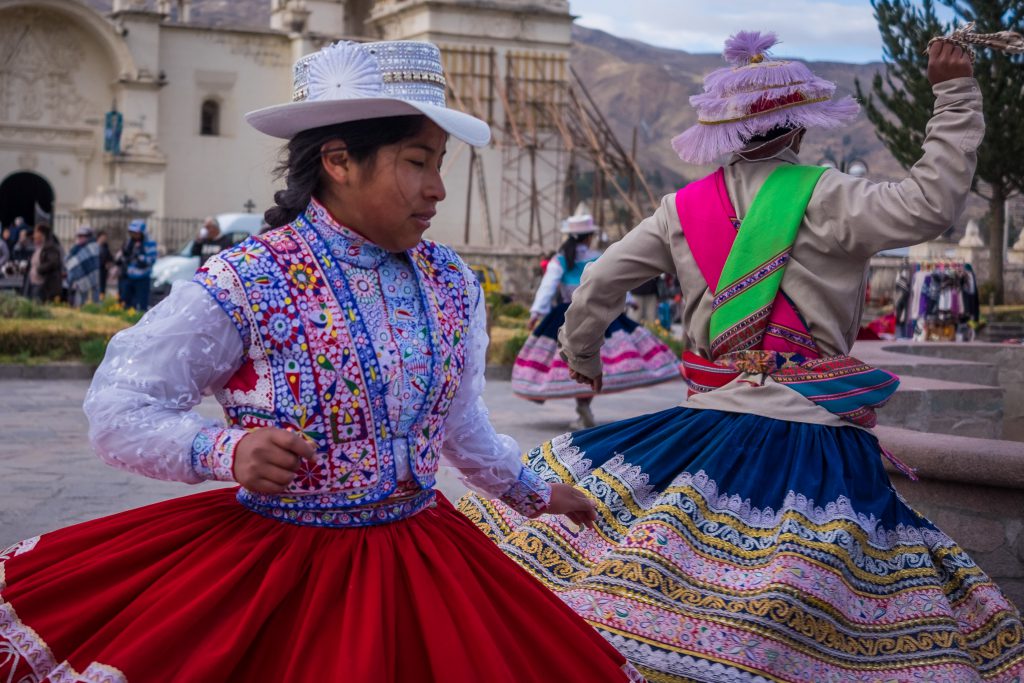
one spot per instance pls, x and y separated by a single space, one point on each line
632 355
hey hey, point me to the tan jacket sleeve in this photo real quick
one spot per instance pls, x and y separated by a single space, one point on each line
640 255
866 217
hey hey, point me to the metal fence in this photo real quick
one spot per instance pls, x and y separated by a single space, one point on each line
170 233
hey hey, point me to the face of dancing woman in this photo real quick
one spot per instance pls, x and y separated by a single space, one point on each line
390 198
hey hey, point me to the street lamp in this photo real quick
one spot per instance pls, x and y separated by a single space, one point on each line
855 167
847 161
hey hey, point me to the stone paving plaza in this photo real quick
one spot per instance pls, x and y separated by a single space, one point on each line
49 476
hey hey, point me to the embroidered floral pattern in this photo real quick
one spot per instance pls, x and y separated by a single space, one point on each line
213 453
529 496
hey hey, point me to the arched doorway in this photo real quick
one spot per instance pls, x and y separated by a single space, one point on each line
21 193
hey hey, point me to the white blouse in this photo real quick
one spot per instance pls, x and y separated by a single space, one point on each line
140 404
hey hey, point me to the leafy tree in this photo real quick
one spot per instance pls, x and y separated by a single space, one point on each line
901 100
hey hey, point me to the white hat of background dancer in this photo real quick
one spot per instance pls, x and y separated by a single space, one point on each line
579 225
356 81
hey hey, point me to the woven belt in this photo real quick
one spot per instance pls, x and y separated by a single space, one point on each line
322 510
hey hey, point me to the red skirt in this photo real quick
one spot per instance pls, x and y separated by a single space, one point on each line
201 589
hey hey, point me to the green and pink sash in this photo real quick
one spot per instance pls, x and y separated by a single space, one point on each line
754 327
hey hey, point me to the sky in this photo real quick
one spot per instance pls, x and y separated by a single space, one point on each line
831 30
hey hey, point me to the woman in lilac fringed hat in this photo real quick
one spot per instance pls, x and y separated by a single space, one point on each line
758 103
752 533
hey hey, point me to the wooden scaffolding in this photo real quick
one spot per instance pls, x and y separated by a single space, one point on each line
549 131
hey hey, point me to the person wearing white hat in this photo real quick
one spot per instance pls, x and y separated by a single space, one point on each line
633 355
348 355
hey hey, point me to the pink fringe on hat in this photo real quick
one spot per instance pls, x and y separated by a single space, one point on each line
755 95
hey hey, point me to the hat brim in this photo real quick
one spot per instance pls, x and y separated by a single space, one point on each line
286 120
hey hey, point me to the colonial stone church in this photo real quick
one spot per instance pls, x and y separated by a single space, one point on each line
118 107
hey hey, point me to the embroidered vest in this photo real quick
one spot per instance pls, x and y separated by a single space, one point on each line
570 281
311 367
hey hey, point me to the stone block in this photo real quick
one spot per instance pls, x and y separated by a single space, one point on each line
974 533
928 496
1013 589
999 564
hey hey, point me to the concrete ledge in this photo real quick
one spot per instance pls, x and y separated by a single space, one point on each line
46 371
963 459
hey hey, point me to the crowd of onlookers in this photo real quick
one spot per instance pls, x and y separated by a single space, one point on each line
36 265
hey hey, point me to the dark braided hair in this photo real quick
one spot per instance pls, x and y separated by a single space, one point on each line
568 251
301 168
568 248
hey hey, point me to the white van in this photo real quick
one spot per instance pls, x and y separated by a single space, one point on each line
182 266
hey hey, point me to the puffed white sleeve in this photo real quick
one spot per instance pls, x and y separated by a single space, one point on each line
490 463
140 403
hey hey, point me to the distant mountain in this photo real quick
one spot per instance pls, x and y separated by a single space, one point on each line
649 87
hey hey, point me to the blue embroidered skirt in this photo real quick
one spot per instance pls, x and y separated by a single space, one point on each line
733 547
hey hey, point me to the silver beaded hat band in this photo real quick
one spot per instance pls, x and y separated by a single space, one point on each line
355 81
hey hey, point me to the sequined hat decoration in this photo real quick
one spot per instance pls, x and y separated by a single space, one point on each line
355 81
754 96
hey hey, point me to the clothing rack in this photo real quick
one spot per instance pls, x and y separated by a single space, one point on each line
936 300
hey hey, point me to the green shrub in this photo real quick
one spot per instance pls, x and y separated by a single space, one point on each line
58 337
677 345
507 351
14 306
93 350
54 343
112 307
515 310
501 306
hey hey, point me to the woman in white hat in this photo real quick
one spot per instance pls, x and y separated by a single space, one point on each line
633 356
348 355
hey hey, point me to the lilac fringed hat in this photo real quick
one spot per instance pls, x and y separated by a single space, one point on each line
755 95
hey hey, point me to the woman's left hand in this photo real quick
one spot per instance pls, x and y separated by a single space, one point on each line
573 503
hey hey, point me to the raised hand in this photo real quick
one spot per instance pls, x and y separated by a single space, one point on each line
947 61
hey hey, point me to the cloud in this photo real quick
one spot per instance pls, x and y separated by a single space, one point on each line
839 30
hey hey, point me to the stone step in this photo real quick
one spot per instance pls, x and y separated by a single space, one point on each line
942 407
912 359
998 332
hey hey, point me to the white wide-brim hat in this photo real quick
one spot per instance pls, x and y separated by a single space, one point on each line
578 225
357 81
